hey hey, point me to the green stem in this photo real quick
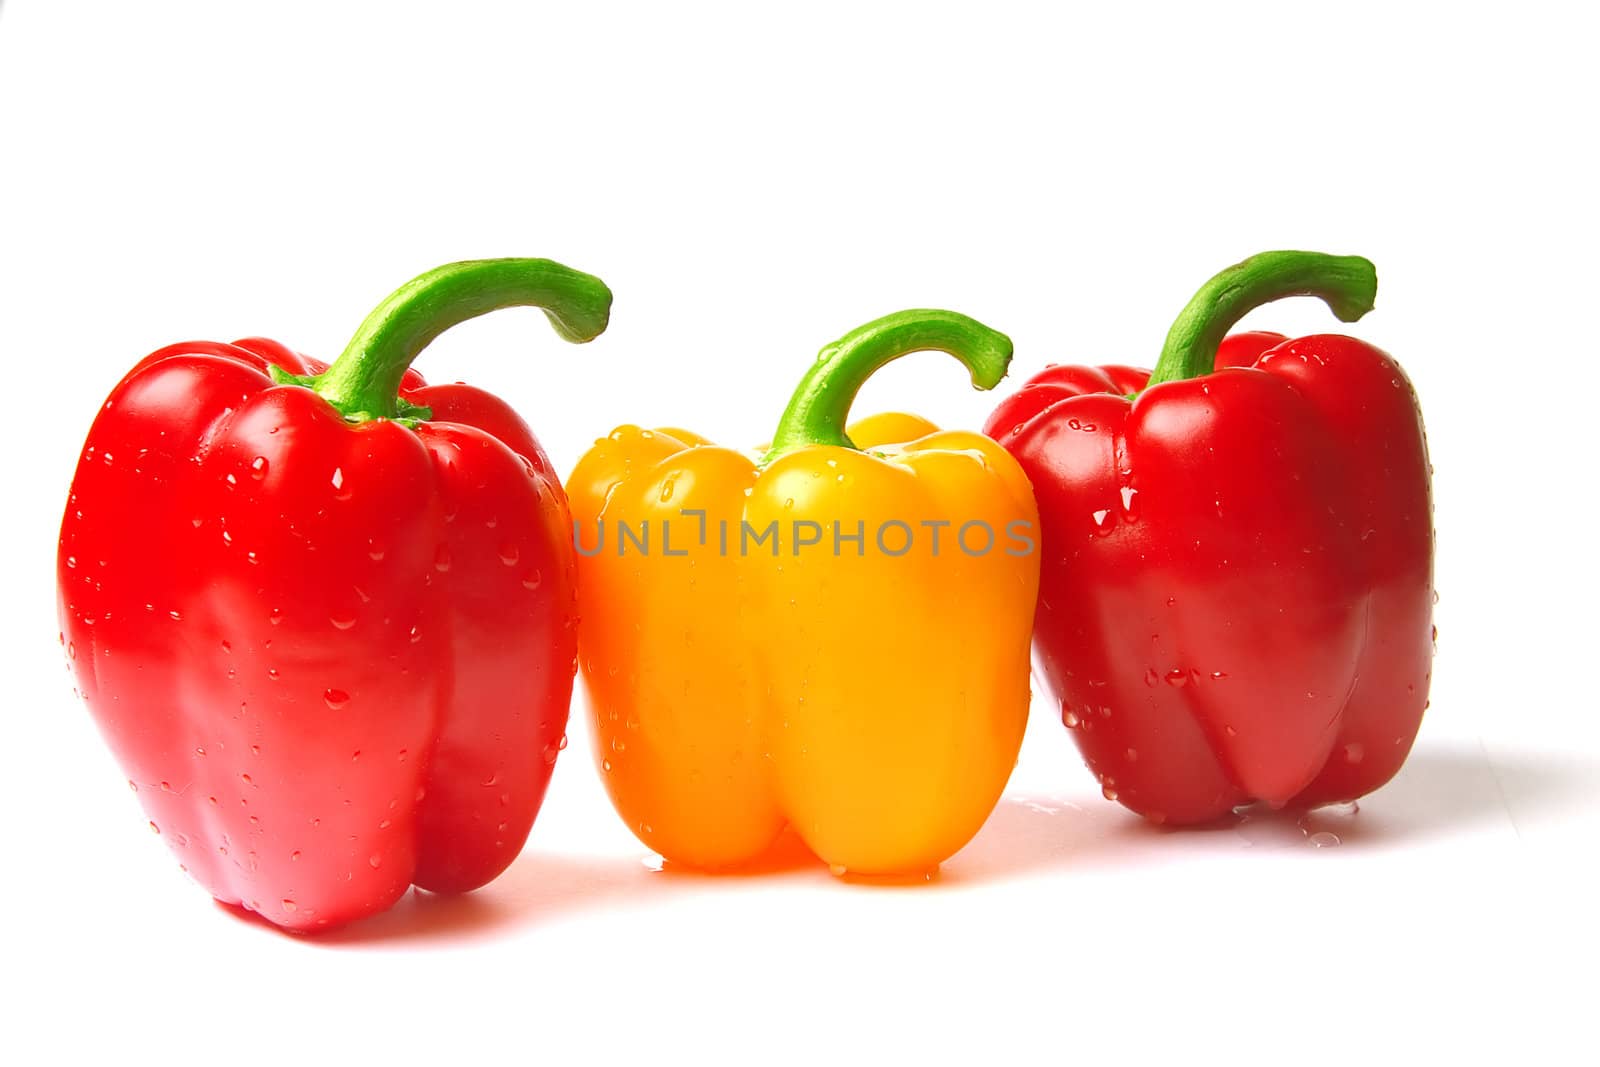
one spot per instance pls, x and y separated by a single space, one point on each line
364 382
1347 284
816 413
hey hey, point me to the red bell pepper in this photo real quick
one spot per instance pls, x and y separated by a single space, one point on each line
1236 596
324 616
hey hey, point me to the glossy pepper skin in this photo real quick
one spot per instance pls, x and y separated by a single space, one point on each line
324 617
876 702
1236 594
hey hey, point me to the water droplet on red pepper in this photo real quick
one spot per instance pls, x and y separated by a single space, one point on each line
1130 502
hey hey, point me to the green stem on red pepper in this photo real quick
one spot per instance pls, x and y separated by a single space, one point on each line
364 382
1347 284
816 413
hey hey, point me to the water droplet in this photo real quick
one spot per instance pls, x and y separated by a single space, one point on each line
175 616
375 860
509 554
1133 755
1354 752
258 468
1130 499
72 562
1070 720
295 855
1324 839
1217 676
838 870
618 745
563 744
533 579
246 779
385 824
667 488
272 672
1151 678
1230 731
1177 677
375 551
1108 791
605 765
344 620
1101 526
415 635
255 750
335 698
340 490
154 828
441 559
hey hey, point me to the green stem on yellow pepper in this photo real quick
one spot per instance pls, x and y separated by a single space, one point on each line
816 413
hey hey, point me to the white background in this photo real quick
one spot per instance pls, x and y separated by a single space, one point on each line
752 183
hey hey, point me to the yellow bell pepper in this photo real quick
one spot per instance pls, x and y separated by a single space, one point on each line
833 637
